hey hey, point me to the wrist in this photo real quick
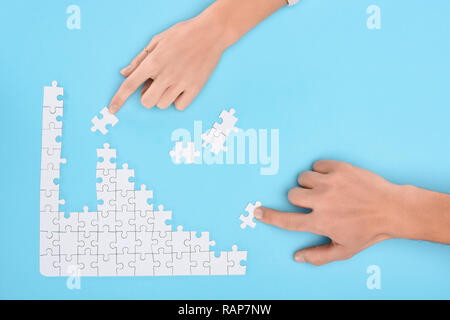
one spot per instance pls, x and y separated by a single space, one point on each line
234 18
421 215
215 22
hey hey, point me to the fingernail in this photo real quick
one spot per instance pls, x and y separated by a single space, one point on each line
113 108
258 213
299 258
125 70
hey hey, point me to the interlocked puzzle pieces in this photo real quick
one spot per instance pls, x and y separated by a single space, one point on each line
125 235
101 124
248 221
188 153
217 136
51 150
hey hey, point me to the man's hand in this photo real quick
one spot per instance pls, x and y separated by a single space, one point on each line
174 66
354 207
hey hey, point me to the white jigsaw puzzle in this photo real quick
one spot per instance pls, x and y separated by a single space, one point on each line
248 220
125 235
101 124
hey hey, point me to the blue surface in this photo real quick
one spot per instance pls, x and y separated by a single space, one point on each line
379 99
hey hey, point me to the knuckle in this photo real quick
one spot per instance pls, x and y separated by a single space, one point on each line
305 177
318 164
340 166
288 223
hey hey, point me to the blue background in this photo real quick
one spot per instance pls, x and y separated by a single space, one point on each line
376 98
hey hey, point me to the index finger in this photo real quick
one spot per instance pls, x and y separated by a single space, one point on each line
130 85
291 221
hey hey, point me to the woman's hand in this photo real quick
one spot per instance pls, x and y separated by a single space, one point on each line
356 208
174 66
178 62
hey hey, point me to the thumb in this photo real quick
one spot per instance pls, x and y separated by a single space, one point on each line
321 255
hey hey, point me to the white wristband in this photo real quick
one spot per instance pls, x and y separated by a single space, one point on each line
292 2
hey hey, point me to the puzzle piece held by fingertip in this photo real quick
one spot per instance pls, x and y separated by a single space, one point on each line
248 221
107 119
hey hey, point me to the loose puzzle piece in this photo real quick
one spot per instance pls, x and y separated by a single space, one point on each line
228 122
218 134
101 124
216 140
188 153
248 221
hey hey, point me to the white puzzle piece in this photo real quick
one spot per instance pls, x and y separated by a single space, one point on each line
107 156
248 220
51 95
52 118
186 153
101 124
217 136
51 159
